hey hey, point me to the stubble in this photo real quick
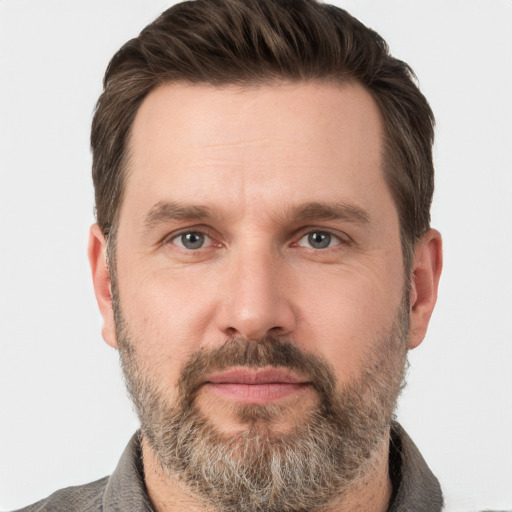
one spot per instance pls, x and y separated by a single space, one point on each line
259 469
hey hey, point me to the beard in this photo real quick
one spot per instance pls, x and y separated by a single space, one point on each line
319 459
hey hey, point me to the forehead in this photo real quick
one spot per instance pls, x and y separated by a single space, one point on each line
293 141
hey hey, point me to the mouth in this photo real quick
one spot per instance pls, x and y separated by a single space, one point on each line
257 386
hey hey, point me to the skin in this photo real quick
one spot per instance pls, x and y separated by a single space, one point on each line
254 159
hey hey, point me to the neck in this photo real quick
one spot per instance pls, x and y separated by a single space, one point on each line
371 492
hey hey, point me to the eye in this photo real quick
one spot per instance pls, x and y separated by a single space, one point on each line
192 240
319 240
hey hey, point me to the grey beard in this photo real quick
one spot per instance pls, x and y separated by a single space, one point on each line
257 469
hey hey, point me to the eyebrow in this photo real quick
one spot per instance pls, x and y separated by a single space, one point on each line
331 211
165 211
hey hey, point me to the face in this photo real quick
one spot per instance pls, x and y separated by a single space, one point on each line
259 272
254 212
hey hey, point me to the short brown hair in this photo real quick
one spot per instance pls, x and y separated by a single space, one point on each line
223 42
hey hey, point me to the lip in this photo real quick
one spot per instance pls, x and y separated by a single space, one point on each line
255 376
255 386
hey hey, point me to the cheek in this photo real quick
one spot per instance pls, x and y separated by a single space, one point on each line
344 318
157 295
166 320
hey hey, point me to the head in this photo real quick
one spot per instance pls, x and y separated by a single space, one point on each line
263 179
255 42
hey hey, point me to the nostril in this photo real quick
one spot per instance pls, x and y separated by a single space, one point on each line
254 311
232 332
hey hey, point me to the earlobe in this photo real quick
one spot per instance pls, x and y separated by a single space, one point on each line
427 265
102 283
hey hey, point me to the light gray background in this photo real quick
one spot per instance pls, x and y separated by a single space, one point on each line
64 415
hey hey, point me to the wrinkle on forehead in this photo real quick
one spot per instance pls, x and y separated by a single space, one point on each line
259 149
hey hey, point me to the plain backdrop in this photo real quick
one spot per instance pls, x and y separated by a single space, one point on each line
64 414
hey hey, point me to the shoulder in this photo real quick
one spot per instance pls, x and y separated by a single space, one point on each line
81 498
122 491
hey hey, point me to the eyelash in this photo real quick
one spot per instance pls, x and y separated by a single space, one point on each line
342 238
181 235
171 239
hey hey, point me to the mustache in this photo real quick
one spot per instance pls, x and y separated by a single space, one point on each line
268 351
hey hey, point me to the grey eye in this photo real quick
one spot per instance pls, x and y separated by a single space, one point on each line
191 240
319 240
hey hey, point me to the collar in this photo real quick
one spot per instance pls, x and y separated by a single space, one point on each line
415 486
125 489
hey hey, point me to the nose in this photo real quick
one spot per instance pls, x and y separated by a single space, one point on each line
257 297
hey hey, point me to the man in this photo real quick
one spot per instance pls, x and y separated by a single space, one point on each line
263 261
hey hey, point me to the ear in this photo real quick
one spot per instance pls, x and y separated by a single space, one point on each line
427 265
101 282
